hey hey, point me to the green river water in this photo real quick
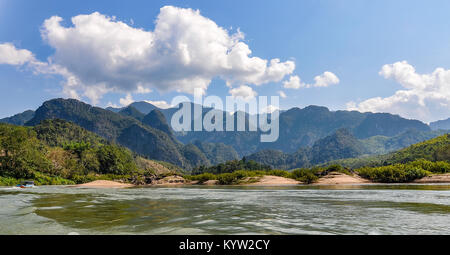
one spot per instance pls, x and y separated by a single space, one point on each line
354 209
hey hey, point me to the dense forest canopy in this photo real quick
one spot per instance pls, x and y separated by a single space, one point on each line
57 151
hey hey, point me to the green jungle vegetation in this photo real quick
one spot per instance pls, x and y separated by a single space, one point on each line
57 152
231 166
396 173
305 175
407 172
342 147
436 149
406 165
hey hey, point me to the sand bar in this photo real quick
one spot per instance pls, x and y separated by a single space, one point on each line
105 184
171 180
274 180
436 178
334 178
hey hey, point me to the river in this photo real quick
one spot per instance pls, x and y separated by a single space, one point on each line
353 209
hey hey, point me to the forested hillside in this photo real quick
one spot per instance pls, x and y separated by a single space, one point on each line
436 149
153 140
441 124
341 144
61 152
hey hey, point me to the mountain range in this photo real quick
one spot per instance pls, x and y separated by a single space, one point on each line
127 131
341 145
19 119
308 136
440 124
300 128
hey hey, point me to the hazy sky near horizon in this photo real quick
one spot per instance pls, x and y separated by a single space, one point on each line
379 56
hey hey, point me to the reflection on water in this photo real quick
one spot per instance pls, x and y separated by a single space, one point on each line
353 209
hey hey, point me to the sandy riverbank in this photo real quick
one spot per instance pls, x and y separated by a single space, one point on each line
105 184
171 180
335 178
269 180
437 178
167 181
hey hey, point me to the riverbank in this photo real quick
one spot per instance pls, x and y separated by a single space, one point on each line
332 178
104 184
437 178
336 178
273 180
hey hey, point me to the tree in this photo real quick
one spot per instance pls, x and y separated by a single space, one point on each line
115 160
21 152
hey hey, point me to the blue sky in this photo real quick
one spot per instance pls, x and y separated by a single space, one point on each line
352 39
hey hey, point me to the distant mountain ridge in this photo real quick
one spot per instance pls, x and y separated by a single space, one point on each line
385 144
341 144
441 124
301 128
130 111
19 119
141 106
387 124
157 120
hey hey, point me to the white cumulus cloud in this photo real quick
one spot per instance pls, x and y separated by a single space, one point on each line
160 104
424 96
10 55
243 91
293 82
126 100
324 80
184 51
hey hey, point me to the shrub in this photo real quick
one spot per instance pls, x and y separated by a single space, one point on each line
115 160
305 175
201 178
281 173
79 179
337 168
42 179
393 174
434 167
227 179
9 181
